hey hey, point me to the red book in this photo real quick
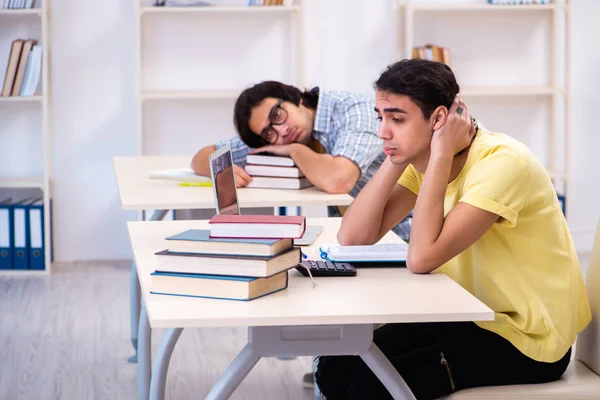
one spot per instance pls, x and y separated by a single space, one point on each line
257 226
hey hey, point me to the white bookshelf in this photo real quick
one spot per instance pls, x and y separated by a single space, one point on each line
419 25
25 122
225 49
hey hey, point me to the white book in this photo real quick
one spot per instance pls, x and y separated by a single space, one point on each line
33 72
262 159
376 252
271 170
264 182
179 174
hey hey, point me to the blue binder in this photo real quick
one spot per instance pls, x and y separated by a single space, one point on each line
6 234
36 234
21 235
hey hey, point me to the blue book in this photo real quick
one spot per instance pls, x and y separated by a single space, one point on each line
227 264
6 234
36 235
217 286
199 241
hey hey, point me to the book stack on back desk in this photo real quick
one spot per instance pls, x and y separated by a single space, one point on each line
198 265
274 172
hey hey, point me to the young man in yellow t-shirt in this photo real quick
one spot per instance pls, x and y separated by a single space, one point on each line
486 214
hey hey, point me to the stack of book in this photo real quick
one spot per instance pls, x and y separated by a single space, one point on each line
248 260
274 172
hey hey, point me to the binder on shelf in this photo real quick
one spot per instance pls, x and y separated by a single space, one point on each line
36 234
21 235
6 234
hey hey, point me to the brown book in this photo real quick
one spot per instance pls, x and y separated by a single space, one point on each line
438 53
446 56
22 66
11 68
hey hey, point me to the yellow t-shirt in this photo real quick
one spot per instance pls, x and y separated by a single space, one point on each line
525 267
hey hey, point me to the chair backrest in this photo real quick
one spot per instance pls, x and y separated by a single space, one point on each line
588 341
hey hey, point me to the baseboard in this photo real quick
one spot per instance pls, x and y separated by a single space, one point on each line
87 263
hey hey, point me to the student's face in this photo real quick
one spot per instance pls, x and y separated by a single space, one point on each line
289 123
405 133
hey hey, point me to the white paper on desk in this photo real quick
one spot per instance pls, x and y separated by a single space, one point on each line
375 252
179 174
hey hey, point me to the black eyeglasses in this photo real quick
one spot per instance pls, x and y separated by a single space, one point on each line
277 116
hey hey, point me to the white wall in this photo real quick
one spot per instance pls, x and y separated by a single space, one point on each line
348 43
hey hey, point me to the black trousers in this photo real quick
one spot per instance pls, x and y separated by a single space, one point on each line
435 359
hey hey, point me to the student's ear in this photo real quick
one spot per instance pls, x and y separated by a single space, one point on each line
438 117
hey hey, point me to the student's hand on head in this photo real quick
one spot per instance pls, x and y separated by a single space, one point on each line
241 176
457 131
283 150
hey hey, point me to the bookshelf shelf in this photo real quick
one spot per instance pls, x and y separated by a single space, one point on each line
31 23
184 83
482 7
218 9
27 182
21 99
548 113
189 94
16 12
491 91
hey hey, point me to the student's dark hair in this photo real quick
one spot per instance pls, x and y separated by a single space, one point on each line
429 84
254 95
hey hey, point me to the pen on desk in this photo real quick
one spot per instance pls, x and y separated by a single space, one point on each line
204 184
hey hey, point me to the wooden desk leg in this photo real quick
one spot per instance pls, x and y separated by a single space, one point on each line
387 374
144 356
135 296
234 374
161 363
134 310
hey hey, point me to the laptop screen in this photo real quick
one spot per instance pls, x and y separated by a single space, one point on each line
223 180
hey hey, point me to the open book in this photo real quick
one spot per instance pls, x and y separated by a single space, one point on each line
179 174
377 252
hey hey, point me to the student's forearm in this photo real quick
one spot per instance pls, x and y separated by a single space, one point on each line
200 160
362 221
322 170
428 216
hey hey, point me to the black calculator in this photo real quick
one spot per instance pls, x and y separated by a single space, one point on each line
327 268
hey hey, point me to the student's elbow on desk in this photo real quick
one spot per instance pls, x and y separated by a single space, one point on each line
419 264
351 237
341 182
199 162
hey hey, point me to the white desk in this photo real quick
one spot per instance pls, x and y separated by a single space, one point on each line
336 317
137 191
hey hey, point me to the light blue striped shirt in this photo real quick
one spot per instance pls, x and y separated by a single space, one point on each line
346 125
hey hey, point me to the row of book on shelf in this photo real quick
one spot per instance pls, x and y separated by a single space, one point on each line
18 4
24 68
22 234
517 2
200 3
432 52
241 257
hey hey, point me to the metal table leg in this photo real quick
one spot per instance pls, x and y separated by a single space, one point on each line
144 356
135 296
161 363
387 374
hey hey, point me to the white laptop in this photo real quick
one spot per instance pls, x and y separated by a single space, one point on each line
225 190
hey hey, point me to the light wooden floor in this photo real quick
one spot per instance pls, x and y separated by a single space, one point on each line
66 336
